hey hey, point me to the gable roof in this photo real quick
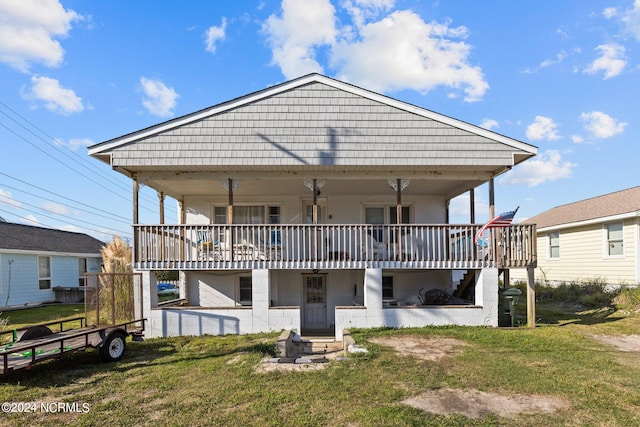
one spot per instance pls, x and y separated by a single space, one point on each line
38 239
605 207
312 122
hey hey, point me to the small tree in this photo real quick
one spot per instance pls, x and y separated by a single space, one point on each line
115 296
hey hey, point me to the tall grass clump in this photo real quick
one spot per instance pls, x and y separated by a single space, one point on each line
594 293
628 299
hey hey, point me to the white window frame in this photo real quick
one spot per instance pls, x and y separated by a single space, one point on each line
267 219
608 241
45 278
550 246
249 302
81 273
386 207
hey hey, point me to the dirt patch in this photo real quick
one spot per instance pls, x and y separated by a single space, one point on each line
264 367
431 348
629 343
475 404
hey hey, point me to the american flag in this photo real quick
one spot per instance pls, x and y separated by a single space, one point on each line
502 220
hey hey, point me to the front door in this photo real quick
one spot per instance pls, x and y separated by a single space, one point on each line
315 301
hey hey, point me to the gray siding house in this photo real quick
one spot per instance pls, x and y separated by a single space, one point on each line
42 264
316 205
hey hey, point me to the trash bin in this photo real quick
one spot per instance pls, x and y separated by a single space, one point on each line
508 299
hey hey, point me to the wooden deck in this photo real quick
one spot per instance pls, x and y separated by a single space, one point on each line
335 246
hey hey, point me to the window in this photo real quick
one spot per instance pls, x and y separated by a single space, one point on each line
44 272
387 287
82 269
245 293
615 244
248 214
554 245
393 217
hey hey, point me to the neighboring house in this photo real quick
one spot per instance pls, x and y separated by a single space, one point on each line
316 205
593 238
42 264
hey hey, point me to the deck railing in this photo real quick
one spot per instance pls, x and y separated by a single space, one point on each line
332 246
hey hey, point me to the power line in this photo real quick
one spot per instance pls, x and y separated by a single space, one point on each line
55 194
56 147
59 214
114 216
119 232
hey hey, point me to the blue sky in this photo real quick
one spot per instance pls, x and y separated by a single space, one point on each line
560 75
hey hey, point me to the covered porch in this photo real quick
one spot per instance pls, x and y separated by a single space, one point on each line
318 301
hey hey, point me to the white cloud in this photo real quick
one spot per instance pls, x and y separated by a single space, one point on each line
158 99
560 56
7 197
602 125
400 51
293 36
612 61
610 12
631 20
29 29
547 166
215 34
74 144
577 139
489 124
542 128
362 10
55 97
404 52
55 208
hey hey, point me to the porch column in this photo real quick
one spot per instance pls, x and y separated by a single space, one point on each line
230 217
531 298
260 300
487 295
149 299
492 202
161 207
398 202
136 190
373 297
472 205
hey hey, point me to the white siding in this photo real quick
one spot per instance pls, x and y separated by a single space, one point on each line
583 256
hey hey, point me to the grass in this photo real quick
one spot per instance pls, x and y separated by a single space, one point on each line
212 380
19 318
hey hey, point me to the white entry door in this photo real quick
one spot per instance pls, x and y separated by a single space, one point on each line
315 301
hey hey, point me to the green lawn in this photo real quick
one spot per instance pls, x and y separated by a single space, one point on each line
213 380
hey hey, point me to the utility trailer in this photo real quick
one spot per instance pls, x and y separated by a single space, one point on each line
110 316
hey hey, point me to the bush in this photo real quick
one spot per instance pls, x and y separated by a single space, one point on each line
628 299
590 294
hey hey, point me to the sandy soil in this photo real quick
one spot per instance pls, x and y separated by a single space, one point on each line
629 343
474 403
470 403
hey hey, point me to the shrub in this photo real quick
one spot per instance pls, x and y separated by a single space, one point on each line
628 299
590 294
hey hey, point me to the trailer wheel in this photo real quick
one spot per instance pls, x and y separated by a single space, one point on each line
113 347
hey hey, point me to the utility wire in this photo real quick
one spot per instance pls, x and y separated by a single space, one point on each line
143 196
58 214
119 232
56 194
113 217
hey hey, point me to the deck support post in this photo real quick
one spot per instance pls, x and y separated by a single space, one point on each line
531 298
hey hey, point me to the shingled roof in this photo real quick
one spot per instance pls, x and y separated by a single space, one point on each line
29 238
617 203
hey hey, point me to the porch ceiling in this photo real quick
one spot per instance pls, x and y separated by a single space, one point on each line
373 182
